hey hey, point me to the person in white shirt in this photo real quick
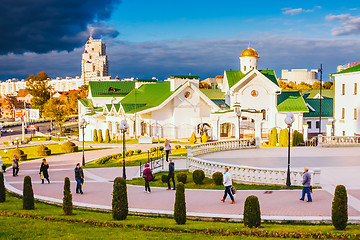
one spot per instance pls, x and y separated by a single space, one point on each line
227 183
167 149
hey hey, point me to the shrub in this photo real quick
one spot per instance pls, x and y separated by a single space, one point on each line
43 151
204 138
180 204
153 149
164 178
177 146
339 210
218 178
28 194
130 153
273 137
69 147
120 200
198 176
181 177
95 136
100 136
192 139
284 137
107 136
252 215
19 153
67 204
138 151
2 188
161 148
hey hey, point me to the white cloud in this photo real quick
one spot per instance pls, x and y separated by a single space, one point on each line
295 11
350 24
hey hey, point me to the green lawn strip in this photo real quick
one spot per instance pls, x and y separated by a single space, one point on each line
133 160
88 220
208 183
31 152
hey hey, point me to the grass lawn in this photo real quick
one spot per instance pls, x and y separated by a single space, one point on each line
133 160
208 183
31 152
47 221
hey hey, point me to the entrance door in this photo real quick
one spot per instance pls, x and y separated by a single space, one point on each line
225 130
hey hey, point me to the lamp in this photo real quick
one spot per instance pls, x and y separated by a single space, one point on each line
123 127
83 125
238 114
289 121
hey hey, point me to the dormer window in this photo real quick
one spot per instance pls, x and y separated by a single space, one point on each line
111 89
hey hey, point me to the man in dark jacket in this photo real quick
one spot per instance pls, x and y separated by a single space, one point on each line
306 185
79 177
171 174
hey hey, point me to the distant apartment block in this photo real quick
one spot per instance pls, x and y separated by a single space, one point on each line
346 66
300 75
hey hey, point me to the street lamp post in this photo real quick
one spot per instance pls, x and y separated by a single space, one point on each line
289 121
238 114
123 128
83 124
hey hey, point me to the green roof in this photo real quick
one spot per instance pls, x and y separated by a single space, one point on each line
221 103
355 68
184 76
270 74
326 107
311 93
147 96
110 88
213 93
291 101
108 107
98 109
84 102
146 80
234 76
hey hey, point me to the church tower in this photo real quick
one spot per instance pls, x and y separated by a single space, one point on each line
94 63
248 60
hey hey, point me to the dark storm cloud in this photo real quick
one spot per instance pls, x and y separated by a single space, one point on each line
42 26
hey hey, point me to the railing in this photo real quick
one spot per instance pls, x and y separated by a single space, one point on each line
338 140
252 174
155 161
198 149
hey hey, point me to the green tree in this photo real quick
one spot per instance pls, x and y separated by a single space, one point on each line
339 211
107 136
100 136
67 205
39 87
120 206
2 188
192 138
204 138
95 136
56 110
252 215
284 137
28 194
273 140
72 102
180 204
316 85
328 85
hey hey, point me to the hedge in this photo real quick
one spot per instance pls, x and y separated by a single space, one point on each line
198 176
19 153
69 147
181 177
43 151
218 178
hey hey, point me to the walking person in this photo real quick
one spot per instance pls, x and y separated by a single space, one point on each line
167 149
15 165
171 174
44 171
147 175
306 185
227 183
79 177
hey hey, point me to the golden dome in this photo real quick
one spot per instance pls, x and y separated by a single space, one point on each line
249 52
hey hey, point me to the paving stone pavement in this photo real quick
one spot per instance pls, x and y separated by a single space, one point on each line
278 205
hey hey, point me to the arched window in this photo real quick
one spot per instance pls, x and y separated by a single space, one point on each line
244 68
263 111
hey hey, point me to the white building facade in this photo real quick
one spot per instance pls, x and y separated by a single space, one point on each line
300 75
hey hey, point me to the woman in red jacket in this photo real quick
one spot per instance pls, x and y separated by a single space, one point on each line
147 175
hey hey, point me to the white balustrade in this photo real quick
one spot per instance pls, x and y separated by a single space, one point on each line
338 140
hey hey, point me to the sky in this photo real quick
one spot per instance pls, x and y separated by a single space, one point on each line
160 38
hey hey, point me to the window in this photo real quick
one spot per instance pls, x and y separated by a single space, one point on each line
318 124
355 113
244 68
309 124
355 88
343 89
343 133
263 111
343 113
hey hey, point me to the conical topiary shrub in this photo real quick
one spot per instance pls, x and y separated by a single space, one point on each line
2 188
204 138
107 136
43 151
284 137
120 206
100 136
180 204
95 136
67 205
252 215
19 153
192 139
339 210
28 194
273 140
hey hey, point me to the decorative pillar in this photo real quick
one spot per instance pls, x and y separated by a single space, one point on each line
306 132
257 128
328 129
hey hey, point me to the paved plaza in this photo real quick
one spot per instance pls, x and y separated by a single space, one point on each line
337 165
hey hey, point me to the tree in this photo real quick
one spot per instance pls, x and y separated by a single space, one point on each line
328 85
120 206
55 109
28 194
204 85
107 136
72 102
192 138
100 136
316 85
339 211
273 137
95 136
9 104
180 204
284 137
204 138
67 205
252 215
303 85
39 87
2 188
